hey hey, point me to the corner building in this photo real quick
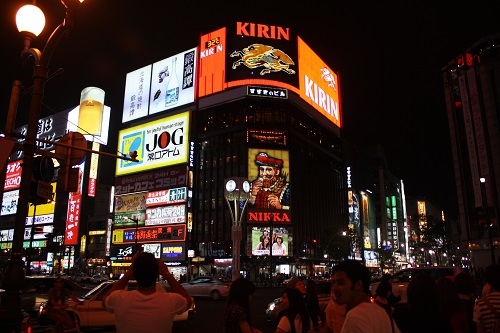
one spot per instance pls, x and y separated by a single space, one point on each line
264 103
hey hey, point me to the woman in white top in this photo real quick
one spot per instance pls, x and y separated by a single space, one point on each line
278 247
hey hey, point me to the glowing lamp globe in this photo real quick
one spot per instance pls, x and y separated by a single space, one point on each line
30 19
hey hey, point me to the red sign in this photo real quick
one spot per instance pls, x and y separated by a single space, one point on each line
92 187
73 219
13 175
277 216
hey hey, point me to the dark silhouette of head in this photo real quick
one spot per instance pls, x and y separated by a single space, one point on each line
492 276
383 289
239 293
356 271
145 269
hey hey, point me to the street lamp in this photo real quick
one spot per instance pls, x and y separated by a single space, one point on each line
237 191
486 216
30 22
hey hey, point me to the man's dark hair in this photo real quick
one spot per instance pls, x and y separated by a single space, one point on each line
492 276
145 269
356 271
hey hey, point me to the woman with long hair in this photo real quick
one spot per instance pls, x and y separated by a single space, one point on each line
237 316
296 318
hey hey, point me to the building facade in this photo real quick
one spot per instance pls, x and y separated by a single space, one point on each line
471 90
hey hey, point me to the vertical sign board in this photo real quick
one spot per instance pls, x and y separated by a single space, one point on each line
318 84
212 63
160 143
173 82
73 213
136 99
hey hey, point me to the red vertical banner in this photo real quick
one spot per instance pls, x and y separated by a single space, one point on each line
73 219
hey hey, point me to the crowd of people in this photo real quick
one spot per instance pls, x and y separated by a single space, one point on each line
448 305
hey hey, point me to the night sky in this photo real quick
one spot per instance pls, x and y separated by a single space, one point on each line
389 57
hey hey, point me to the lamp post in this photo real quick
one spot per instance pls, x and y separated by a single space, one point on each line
30 22
136 220
487 220
236 191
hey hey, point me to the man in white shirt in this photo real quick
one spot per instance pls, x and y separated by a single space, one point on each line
351 286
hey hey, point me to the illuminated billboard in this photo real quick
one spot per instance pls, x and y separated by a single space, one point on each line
263 240
152 181
164 85
255 54
268 172
318 84
13 176
158 144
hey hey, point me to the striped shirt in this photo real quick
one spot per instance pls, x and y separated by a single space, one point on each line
482 313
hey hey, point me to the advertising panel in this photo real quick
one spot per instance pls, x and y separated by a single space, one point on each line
263 240
173 251
212 63
159 143
371 258
169 233
268 172
152 181
38 232
13 176
173 82
121 252
318 84
136 98
73 211
6 235
164 85
262 52
166 197
9 202
154 248
130 210
166 215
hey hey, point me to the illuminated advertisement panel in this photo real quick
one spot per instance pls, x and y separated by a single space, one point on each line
13 176
130 210
262 240
166 215
170 233
103 137
38 232
136 98
73 211
371 258
261 52
164 85
212 63
166 197
152 180
268 172
9 202
159 143
173 82
318 84
121 252
173 251
154 248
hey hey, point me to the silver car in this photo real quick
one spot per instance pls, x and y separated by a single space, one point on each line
208 286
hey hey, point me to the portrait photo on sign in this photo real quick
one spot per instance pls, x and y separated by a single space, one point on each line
266 241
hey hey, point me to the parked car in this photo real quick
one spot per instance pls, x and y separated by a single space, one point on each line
402 278
98 278
81 277
208 286
91 312
276 308
35 290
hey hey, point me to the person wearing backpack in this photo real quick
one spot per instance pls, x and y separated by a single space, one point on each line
487 308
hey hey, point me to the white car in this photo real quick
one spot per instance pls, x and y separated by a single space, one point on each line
208 286
92 313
